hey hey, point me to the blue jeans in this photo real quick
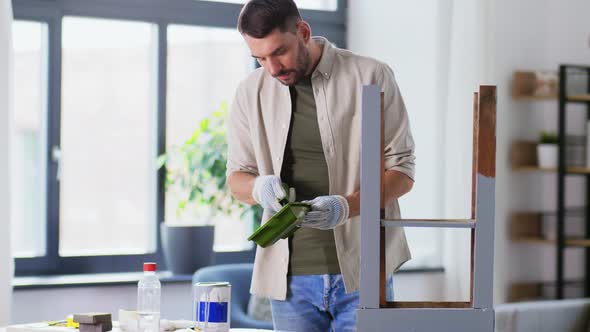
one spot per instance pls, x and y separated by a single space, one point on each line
318 303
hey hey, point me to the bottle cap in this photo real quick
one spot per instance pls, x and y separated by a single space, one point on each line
151 267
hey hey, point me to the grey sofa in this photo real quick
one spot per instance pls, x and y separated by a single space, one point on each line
544 316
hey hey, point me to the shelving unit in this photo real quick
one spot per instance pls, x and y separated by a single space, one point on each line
527 227
562 171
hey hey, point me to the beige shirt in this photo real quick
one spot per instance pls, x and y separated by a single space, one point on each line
257 133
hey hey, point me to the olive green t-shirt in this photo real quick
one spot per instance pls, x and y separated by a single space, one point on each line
312 251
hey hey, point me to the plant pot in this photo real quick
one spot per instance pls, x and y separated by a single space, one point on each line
187 248
547 155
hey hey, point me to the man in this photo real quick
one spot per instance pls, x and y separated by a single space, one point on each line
296 121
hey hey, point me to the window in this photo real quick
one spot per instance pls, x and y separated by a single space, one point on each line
29 140
205 66
330 5
93 91
107 172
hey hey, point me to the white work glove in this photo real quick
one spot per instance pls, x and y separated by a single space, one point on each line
326 212
268 191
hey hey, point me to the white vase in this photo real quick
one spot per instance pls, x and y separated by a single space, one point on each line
547 155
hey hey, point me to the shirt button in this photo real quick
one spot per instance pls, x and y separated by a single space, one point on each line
279 158
284 126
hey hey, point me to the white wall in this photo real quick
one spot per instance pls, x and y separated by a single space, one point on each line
56 303
406 36
477 42
5 106
468 66
532 34
414 38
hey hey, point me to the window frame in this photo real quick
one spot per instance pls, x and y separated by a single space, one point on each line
331 24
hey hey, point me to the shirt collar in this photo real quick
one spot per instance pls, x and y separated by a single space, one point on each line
324 67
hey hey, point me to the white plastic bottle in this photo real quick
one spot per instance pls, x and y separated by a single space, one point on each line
148 300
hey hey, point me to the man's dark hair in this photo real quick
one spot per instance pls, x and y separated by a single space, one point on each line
260 17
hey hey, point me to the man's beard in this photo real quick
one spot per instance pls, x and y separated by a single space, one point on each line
302 63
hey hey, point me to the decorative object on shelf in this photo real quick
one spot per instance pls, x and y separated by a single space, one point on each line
195 183
547 150
540 84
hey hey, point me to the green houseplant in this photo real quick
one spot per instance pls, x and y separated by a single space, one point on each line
546 137
195 171
547 149
196 187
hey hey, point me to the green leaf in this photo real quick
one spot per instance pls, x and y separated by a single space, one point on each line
205 125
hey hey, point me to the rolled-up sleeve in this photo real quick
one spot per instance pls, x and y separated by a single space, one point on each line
240 151
399 144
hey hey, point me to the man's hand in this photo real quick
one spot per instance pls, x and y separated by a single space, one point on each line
267 192
327 212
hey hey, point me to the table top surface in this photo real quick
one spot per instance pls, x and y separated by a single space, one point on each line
23 327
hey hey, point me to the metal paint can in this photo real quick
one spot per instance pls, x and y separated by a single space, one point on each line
211 306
